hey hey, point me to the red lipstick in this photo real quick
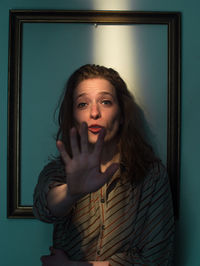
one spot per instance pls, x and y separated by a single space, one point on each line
95 128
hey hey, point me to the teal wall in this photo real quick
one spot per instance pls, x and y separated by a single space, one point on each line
49 57
22 242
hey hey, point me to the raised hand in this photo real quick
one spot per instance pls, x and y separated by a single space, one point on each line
83 169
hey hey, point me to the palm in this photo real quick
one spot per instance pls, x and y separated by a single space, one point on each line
83 169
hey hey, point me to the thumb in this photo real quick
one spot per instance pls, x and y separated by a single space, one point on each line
111 170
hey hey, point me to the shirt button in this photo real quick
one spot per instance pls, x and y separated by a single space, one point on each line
102 200
103 227
98 252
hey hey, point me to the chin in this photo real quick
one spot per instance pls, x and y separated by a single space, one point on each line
92 139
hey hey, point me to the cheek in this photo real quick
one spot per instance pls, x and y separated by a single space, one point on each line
114 119
78 116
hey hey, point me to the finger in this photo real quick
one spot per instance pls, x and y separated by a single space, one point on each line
107 175
84 138
61 147
99 144
74 143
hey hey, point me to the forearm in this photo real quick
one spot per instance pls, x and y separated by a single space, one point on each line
59 200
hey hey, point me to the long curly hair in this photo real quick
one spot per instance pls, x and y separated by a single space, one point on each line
137 156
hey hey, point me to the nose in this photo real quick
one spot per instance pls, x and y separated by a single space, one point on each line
95 111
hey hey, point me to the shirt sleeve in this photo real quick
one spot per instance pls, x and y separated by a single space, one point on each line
154 231
53 174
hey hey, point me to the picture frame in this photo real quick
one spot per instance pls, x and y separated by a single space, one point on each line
18 18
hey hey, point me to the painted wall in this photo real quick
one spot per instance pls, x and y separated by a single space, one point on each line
51 52
22 242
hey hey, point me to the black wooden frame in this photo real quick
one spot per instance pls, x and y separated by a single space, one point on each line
18 17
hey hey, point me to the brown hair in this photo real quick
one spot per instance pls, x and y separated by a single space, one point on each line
137 156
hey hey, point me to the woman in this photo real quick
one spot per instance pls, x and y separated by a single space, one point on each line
107 194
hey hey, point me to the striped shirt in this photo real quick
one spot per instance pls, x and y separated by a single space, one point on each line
122 223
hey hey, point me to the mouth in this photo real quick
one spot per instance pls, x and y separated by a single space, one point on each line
95 129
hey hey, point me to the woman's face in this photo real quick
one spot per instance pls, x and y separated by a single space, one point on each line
95 102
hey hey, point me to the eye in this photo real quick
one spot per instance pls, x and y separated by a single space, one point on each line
81 105
106 102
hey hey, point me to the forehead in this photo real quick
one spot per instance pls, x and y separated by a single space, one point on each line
95 86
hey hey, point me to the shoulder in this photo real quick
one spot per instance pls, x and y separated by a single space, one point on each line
156 191
157 177
53 167
52 173
157 171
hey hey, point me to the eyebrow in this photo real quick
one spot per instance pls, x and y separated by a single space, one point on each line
100 93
